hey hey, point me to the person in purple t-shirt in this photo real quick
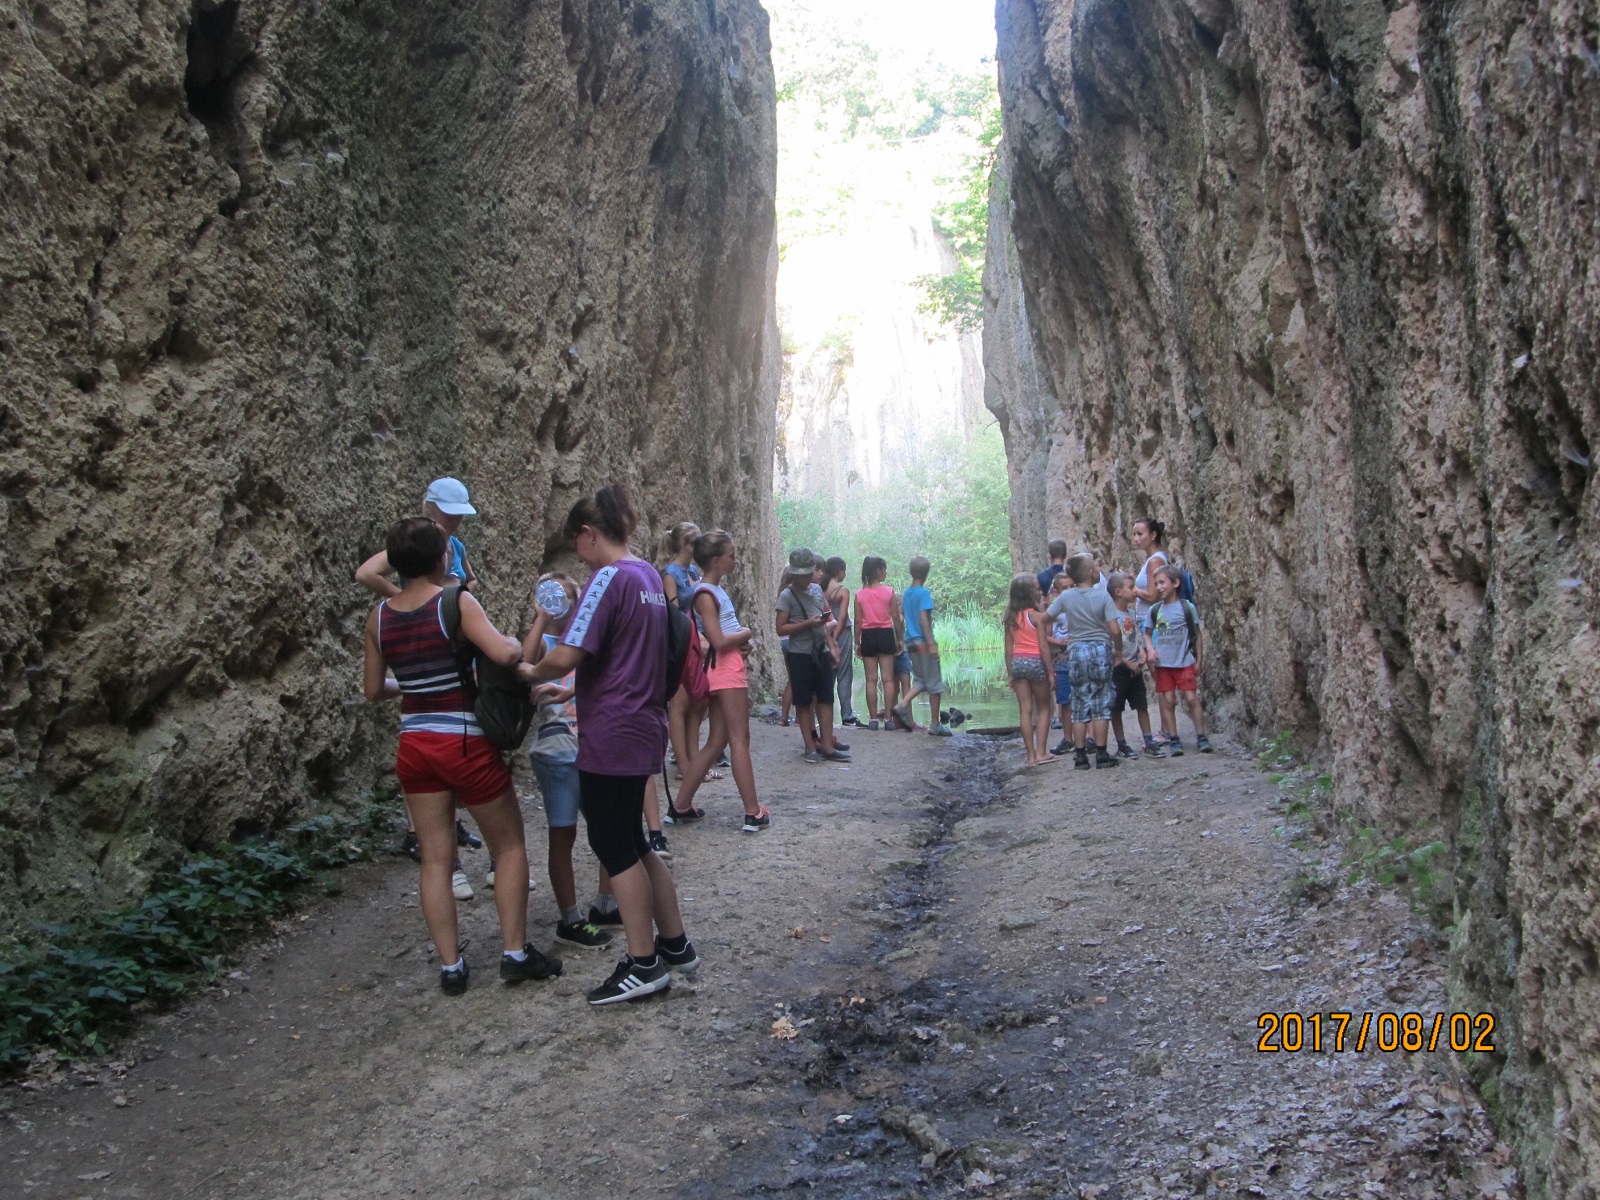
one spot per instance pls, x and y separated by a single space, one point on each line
617 643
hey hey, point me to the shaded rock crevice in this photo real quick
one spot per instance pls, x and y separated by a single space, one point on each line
1310 282
269 269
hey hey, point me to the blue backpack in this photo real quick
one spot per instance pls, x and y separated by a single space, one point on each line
1185 584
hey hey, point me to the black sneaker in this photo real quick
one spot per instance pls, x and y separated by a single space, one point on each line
583 935
465 837
453 983
1080 760
1152 750
755 823
1126 751
1203 744
612 919
841 747
1102 759
410 847
853 721
658 843
632 982
1064 746
535 966
723 760
1174 748
682 961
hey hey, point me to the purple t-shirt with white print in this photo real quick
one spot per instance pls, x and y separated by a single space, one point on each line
622 624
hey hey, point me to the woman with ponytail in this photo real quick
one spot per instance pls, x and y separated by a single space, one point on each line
616 641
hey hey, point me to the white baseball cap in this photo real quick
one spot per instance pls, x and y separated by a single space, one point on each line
450 496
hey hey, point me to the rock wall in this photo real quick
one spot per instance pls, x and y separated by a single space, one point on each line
1017 388
269 268
1311 281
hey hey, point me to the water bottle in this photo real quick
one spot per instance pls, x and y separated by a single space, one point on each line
551 597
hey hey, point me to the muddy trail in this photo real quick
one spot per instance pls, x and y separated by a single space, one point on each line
936 974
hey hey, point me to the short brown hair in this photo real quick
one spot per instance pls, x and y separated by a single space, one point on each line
415 546
1081 567
920 568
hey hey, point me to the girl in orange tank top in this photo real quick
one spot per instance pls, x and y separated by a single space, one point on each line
1028 668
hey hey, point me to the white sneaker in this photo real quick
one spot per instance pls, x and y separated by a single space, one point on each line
488 879
460 886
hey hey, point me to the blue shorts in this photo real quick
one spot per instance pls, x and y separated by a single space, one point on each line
558 785
902 663
1063 681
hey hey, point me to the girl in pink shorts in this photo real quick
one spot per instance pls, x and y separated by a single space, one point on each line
730 686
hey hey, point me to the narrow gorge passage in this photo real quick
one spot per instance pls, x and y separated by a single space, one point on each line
1044 982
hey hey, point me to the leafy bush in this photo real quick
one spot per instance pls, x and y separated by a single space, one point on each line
77 984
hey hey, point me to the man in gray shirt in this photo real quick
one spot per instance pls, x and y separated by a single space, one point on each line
1094 638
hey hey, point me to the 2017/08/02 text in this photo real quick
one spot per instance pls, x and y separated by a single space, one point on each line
1290 1032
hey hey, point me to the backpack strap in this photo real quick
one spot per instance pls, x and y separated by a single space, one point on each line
463 650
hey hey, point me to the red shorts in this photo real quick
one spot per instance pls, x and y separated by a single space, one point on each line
1175 679
447 762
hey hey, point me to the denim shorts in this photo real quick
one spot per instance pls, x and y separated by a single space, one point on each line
1089 664
558 785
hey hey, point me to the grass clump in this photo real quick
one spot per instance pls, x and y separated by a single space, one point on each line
74 986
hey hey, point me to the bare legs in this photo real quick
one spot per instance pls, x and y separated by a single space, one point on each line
501 824
730 730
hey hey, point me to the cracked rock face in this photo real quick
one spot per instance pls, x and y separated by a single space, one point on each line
1312 282
272 267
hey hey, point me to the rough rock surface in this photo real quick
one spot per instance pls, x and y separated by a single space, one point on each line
1312 282
268 269
1016 387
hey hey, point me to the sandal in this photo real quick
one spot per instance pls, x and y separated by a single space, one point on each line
711 777
673 817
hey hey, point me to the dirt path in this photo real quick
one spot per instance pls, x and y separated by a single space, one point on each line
1043 983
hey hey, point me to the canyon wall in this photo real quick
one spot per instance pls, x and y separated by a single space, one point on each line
1312 281
270 268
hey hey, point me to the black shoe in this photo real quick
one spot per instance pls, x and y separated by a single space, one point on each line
583 935
1126 751
611 920
658 843
1203 744
1102 759
465 837
723 760
1080 760
682 961
841 747
410 847
1174 748
854 722
535 966
453 983
1064 746
632 982
756 822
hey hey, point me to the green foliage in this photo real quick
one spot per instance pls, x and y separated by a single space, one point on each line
75 985
963 215
954 299
950 504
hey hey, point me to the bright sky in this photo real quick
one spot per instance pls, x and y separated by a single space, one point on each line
960 32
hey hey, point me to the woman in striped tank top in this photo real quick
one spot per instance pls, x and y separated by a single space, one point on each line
443 756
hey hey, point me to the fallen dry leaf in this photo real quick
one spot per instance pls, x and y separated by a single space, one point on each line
785 1029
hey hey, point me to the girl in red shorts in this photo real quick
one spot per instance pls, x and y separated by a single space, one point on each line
443 756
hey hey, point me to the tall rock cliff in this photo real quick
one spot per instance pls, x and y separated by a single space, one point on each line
269 268
1312 281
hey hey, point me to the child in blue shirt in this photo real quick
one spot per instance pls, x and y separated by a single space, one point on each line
916 603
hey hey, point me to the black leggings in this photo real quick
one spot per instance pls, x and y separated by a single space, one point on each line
613 810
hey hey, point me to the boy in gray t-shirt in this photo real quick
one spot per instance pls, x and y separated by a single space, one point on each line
1177 645
1095 639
